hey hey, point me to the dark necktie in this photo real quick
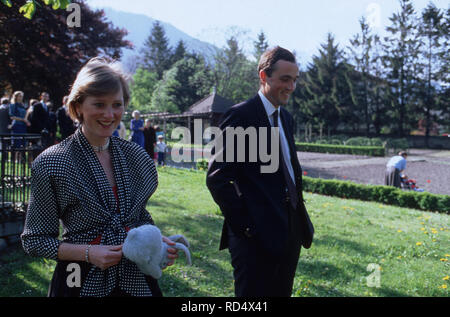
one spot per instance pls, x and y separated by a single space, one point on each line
292 190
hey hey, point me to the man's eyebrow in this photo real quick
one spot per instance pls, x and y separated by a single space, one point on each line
289 76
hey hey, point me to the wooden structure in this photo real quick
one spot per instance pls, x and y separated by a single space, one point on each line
209 109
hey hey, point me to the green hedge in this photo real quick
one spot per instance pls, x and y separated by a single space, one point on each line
383 194
341 149
202 164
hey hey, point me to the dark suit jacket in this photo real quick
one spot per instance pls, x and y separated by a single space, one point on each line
66 125
254 203
39 119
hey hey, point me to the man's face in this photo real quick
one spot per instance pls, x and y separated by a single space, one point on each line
278 87
45 97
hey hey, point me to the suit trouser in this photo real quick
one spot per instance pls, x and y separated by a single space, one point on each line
257 274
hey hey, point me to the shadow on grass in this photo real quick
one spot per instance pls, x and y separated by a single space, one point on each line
342 270
19 275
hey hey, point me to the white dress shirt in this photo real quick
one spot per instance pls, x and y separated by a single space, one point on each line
270 109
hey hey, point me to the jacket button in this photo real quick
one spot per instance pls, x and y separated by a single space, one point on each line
247 233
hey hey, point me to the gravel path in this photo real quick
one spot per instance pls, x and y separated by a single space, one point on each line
430 168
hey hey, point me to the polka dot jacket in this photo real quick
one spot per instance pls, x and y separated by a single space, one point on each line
69 185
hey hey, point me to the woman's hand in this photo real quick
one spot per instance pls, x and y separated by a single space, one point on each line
172 252
105 256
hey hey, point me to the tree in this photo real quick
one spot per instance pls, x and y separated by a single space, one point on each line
29 8
185 83
432 34
327 99
379 86
401 58
142 87
235 77
179 53
157 55
361 46
44 54
260 46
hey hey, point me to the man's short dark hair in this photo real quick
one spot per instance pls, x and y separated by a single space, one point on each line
402 153
273 55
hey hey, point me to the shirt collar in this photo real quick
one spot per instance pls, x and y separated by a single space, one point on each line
270 109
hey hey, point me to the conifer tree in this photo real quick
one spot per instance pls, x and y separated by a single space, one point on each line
260 46
401 58
156 53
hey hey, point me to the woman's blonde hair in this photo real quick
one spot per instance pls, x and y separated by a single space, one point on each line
15 95
98 77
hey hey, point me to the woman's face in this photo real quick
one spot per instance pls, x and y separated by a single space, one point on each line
101 116
137 116
19 98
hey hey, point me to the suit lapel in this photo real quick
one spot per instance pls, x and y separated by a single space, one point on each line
293 152
261 114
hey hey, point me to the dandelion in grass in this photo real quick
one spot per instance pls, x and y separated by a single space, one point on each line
419 243
444 286
445 278
399 230
444 260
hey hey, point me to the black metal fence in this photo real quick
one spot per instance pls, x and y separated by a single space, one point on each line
17 152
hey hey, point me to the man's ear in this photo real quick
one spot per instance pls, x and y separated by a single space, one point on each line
262 76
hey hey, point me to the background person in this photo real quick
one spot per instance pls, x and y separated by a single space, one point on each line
137 129
40 120
394 168
17 112
5 122
66 125
98 188
149 138
161 147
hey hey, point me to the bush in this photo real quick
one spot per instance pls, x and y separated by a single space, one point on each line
341 149
202 164
383 194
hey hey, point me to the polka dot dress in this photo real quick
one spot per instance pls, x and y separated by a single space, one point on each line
69 186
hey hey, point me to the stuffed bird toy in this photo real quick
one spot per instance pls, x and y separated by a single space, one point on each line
145 247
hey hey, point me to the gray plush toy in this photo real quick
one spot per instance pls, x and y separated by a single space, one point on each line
145 247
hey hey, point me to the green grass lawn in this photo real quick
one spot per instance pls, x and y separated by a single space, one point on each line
409 249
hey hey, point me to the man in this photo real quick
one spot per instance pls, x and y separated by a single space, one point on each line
149 138
5 122
65 123
266 222
40 119
395 166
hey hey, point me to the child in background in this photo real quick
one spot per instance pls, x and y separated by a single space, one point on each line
161 147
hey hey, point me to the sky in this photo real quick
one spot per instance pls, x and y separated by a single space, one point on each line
298 25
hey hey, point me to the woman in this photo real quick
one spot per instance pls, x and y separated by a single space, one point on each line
137 129
17 113
98 187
